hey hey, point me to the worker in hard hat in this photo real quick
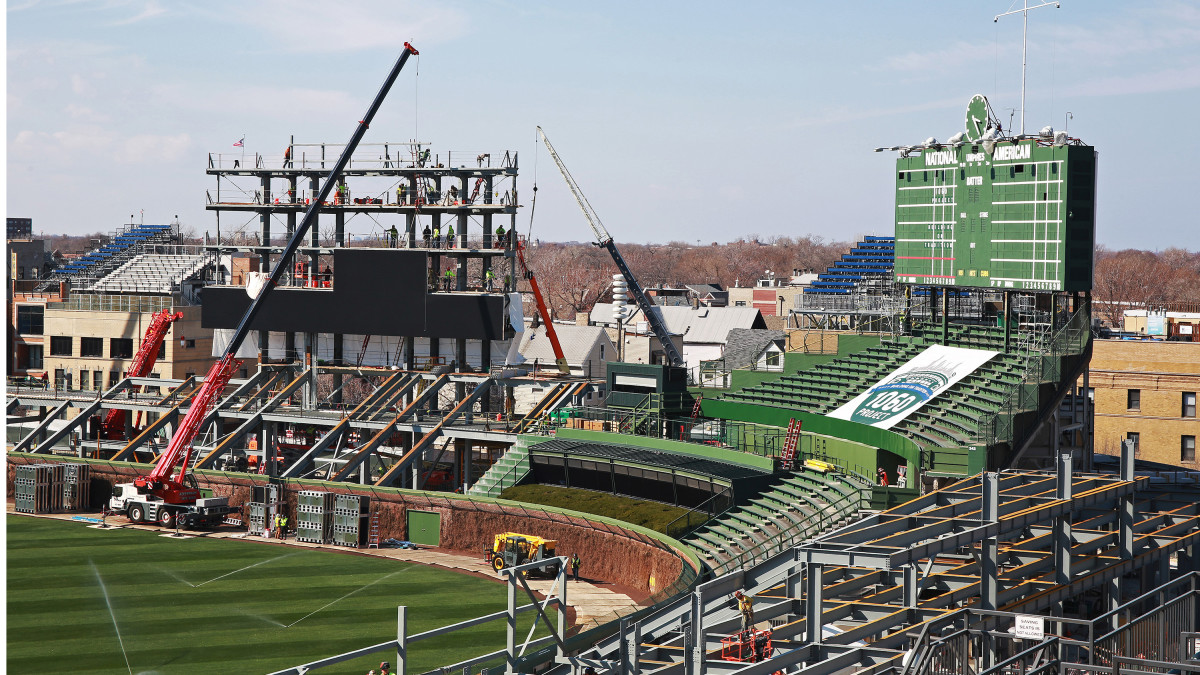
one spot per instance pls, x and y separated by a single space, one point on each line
746 607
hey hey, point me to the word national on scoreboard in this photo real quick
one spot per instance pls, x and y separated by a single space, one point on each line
988 210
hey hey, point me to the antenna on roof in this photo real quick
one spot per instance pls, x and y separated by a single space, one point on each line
1024 34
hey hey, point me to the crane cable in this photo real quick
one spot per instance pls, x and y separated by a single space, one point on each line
533 202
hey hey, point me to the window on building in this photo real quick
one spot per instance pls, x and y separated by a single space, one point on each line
1187 448
189 344
775 361
153 390
1136 438
739 303
162 351
35 358
1133 399
60 345
1189 404
114 376
30 319
62 380
120 348
20 271
92 347
97 379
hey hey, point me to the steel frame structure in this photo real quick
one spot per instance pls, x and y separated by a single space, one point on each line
1016 542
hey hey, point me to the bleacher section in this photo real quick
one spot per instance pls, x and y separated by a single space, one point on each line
152 273
124 245
794 508
871 260
952 419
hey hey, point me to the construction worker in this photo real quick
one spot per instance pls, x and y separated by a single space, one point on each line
451 195
448 278
437 236
425 235
287 158
283 526
393 236
488 279
575 563
746 607
450 236
883 477
385 668
500 236
400 194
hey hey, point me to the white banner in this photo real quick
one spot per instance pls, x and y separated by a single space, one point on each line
912 385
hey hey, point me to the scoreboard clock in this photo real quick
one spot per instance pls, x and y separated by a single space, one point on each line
989 211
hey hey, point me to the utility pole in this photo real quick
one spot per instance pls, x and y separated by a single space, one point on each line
1024 11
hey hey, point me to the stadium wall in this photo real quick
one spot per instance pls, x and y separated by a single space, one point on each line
648 562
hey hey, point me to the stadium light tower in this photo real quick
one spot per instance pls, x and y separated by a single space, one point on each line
1024 34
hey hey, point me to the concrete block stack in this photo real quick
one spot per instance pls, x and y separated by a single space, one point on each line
314 516
350 516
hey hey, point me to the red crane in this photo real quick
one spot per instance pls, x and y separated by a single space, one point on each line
178 489
559 359
143 363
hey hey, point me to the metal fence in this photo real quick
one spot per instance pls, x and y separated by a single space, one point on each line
1044 362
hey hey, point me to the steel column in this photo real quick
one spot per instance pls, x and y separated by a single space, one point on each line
1062 523
812 602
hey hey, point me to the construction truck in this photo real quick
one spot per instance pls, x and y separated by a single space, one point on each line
142 507
511 549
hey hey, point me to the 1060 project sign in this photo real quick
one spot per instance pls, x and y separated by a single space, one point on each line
912 385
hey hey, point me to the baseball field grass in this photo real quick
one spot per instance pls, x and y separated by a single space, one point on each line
83 600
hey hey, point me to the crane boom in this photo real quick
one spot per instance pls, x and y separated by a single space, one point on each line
114 423
559 358
605 240
159 481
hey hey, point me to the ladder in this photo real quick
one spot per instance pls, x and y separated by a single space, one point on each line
362 353
373 533
789 444
696 409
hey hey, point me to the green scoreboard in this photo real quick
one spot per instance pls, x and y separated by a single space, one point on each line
988 211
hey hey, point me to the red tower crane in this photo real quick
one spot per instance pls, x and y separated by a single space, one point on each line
113 427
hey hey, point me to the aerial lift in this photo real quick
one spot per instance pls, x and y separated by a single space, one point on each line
605 241
113 427
559 359
160 491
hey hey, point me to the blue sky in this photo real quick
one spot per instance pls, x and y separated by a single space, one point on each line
688 121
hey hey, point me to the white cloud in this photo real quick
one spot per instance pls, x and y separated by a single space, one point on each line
1173 79
310 26
152 149
150 10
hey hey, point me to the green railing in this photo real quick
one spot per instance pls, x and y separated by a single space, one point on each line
1043 363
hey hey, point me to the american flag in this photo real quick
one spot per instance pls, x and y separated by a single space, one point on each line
240 143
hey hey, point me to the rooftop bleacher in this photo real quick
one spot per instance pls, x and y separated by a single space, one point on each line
869 261
124 244
152 273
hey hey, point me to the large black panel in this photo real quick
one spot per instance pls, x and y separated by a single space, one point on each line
375 292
